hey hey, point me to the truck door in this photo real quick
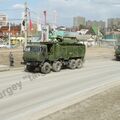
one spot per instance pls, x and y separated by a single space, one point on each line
43 52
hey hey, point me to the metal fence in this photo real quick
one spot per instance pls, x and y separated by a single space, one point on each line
107 43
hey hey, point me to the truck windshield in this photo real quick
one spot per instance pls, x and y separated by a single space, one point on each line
32 49
41 49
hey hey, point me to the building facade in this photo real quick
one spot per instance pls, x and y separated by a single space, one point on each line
77 21
14 31
113 23
3 20
101 24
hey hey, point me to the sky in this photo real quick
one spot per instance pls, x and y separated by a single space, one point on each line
65 10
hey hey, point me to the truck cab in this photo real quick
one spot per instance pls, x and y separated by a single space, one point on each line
34 53
117 51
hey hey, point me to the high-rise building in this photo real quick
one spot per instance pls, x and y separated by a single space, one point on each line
113 22
101 24
77 21
3 20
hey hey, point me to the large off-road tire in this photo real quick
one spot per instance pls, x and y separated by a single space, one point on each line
79 63
57 66
29 68
72 64
46 68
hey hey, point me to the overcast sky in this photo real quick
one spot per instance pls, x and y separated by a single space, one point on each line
65 9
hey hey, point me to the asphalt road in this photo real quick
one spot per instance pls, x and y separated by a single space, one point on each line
25 96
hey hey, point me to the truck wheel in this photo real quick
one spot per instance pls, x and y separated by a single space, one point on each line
72 64
57 66
79 63
29 68
46 68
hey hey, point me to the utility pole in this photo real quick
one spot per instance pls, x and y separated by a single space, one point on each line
26 20
45 17
9 36
55 17
45 26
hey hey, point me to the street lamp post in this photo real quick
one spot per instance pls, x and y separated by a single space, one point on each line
26 24
9 36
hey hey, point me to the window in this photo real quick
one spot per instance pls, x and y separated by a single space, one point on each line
32 49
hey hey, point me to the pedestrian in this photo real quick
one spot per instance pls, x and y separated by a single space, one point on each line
11 59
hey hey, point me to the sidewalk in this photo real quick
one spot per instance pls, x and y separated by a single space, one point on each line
17 68
4 68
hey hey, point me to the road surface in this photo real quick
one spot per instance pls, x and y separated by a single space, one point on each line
26 96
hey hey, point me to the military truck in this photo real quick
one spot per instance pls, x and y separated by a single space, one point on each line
48 56
117 51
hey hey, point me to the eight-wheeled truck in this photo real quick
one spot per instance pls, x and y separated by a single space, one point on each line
47 56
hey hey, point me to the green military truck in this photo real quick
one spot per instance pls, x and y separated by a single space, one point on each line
48 56
117 51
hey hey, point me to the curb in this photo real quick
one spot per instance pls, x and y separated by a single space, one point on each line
4 68
19 68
